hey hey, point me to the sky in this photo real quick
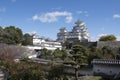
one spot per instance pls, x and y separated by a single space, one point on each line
46 17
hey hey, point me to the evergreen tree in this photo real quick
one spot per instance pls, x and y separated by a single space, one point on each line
108 38
12 35
78 56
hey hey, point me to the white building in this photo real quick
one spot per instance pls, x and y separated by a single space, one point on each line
39 43
79 32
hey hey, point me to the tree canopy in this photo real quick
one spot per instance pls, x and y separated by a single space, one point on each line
14 35
27 39
108 38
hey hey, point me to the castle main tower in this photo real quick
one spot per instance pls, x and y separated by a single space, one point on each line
79 33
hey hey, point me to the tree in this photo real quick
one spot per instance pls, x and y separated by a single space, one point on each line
94 53
11 52
57 53
45 53
108 38
107 53
64 54
78 56
12 35
1 34
19 36
27 39
23 70
56 73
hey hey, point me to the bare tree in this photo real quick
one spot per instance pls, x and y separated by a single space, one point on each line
11 51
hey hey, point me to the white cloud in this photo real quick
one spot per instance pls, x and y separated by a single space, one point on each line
53 16
85 13
103 34
35 17
2 9
82 12
115 16
118 38
93 38
69 19
96 38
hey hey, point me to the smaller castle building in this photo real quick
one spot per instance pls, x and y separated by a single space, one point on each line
78 33
39 43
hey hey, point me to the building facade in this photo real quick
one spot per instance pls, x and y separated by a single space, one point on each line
78 33
40 43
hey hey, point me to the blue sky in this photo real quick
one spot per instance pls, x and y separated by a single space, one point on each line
46 17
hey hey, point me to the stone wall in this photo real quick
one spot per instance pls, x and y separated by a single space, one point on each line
111 44
114 45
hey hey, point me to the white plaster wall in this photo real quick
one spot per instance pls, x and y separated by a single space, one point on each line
106 69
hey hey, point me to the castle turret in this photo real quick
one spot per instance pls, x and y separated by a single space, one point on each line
62 35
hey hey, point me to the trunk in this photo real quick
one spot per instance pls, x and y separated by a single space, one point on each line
76 74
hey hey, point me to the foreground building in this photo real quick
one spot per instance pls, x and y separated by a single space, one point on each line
79 33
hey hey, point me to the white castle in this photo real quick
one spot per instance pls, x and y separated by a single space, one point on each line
79 33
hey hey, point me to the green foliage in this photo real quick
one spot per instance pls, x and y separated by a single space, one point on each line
79 54
45 53
103 53
1 34
11 35
62 54
94 53
14 35
23 70
108 38
107 53
57 53
27 39
56 73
